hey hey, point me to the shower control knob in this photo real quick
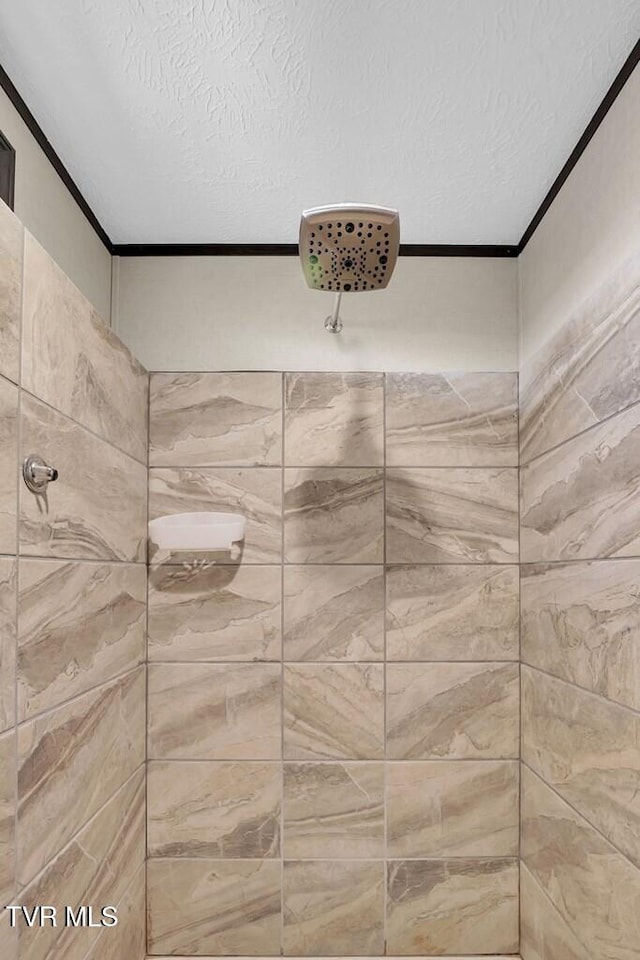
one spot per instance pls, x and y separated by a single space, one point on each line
37 473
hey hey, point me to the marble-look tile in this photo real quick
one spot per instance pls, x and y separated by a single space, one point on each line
214 612
544 934
452 612
8 584
594 888
588 749
580 623
452 515
214 907
8 465
80 625
95 868
129 938
334 419
70 762
333 811
213 809
74 362
453 808
333 515
333 612
215 419
11 247
579 501
97 507
256 493
333 908
588 370
206 711
334 711
452 419
452 711
8 884
439 907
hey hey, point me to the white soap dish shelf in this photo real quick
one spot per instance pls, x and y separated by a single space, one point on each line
195 532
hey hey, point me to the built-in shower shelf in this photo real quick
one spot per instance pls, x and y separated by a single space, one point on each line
197 532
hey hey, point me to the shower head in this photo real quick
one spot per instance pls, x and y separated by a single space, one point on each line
349 247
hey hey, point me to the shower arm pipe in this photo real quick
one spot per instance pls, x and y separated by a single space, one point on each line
333 323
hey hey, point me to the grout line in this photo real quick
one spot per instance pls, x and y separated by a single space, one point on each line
332 663
588 693
86 823
335 761
283 399
16 752
145 920
601 836
55 708
385 826
553 906
520 724
77 423
491 858
580 433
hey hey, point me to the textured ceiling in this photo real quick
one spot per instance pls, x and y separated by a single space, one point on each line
218 121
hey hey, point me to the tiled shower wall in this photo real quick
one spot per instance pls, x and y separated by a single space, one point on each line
580 450
72 614
334 714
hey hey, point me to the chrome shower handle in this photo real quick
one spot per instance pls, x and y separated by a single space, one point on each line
37 473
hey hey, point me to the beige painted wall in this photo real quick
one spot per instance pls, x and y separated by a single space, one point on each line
256 313
50 213
591 228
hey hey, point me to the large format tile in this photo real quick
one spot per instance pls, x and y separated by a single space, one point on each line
74 362
8 583
452 419
214 907
333 810
11 248
450 515
544 933
215 419
256 493
595 889
579 501
97 507
333 711
70 762
213 809
129 938
452 906
214 612
334 419
8 881
588 370
456 808
333 612
80 625
214 711
580 623
333 908
452 612
333 515
8 465
589 750
95 868
452 711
